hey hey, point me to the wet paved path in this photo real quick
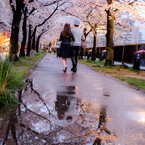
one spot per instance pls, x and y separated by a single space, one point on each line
83 108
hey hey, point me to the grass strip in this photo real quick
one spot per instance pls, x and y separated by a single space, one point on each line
12 75
23 66
139 83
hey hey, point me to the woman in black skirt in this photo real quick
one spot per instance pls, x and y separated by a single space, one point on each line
65 49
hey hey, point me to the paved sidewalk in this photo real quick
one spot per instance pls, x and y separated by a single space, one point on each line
124 105
83 108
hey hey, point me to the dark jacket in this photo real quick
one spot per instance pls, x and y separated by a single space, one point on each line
66 40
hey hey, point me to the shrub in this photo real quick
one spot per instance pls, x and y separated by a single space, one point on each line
6 80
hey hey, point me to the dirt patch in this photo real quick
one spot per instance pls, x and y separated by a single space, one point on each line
134 76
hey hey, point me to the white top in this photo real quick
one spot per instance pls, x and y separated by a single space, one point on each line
78 36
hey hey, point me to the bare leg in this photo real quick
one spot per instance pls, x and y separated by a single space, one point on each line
63 61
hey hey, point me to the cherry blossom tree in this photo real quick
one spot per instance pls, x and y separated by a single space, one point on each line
98 25
38 9
112 8
29 43
26 14
17 7
41 24
42 16
90 12
133 8
93 12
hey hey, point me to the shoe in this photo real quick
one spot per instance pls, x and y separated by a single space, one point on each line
74 69
65 69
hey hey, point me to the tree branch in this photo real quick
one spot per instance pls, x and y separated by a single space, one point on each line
132 2
34 9
49 16
115 11
88 32
67 13
12 6
51 3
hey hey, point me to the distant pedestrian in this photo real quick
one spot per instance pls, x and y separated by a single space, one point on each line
50 47
76 45
58 48
66 37
82 46
46 48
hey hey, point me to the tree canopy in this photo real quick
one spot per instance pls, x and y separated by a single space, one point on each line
42 16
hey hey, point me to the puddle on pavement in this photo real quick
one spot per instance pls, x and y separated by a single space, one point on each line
54 118
137 116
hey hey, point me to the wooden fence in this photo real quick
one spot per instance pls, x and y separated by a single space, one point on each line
122 53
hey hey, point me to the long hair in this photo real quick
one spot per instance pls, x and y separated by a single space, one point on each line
66 31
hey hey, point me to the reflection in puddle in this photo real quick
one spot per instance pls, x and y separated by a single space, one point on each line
66 105
55 120
137 116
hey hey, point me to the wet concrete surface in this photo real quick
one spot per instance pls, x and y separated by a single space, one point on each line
83 108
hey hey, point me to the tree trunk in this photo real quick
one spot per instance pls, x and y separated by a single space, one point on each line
22 51
17 14
109 38
37 43
29 40
34 38
93 58
15 35
38 40
34 33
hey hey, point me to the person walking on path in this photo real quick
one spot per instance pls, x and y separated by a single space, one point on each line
82 47
66 37
76 45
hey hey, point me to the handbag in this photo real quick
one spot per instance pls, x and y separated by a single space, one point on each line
84 44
